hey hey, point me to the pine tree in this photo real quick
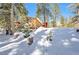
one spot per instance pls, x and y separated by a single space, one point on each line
56 13
53 23
26 30
62 21
43 9
2 22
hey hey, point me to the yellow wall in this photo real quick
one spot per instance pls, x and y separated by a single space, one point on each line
35 23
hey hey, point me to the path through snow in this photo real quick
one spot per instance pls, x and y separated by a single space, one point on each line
64 41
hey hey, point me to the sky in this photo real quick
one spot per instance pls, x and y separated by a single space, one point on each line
31 7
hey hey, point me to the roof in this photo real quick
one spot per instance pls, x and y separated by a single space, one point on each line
39 20
31 18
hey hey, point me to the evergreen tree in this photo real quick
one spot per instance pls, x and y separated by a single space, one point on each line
43 9
56 13
53 23
62 21
2 22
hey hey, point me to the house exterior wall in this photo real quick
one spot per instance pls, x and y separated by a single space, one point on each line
35 23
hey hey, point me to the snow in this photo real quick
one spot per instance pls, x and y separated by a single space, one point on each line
75 39
44 42
64 41
37 52
19 37
13 52
40 29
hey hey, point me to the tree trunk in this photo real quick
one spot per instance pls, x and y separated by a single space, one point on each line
44 13
8 22
12 18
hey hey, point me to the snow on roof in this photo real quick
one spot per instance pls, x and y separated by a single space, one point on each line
39 20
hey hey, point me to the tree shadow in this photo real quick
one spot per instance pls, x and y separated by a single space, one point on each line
65 42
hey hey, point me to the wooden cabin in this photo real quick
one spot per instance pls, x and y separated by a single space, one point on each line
35 23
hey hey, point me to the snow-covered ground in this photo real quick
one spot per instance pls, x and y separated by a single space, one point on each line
65 41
